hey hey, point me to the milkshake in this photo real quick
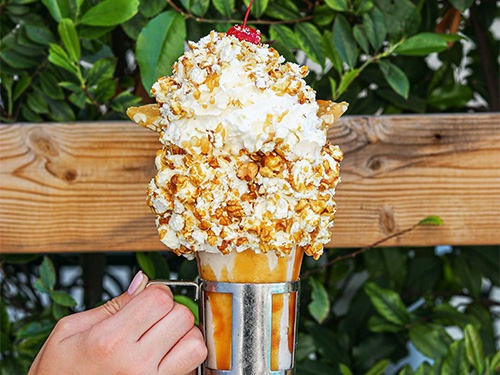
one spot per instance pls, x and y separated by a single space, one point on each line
246 176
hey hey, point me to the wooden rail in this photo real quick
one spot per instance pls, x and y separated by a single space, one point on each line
81 187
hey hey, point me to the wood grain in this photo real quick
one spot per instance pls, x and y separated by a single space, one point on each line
82 187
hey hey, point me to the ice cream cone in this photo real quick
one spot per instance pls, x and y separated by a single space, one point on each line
250 267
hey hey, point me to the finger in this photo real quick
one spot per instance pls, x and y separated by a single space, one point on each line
141 313
185 356
81 322
169 330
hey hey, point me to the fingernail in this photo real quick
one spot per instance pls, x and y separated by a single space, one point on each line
136 281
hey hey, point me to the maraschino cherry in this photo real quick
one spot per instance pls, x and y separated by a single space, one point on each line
245 32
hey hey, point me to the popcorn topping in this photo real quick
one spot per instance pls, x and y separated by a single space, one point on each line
246 163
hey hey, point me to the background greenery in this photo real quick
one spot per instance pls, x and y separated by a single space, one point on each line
66 60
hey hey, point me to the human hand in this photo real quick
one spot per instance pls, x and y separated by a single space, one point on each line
141 332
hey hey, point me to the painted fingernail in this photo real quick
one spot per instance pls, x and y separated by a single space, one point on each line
136 281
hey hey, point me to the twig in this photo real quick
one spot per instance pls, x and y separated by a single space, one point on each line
255 22
353 254
95 102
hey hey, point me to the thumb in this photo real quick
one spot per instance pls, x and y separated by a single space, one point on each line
86 319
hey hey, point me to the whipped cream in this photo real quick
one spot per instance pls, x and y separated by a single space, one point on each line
246 163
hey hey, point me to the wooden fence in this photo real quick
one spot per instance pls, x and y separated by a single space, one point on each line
82 186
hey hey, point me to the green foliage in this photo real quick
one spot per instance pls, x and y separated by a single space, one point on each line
371 53
67 60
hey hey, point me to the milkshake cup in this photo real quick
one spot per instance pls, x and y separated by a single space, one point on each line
250 267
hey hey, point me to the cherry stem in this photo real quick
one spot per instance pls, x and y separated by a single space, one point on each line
247 13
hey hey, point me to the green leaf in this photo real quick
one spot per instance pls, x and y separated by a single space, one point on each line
58 9
422 44
36 103
60 111
309 39
431 220
105 90
401 18
346 80
495 362
79 99
134 26
258 7
333 86
19 258
124 100
39 329
331 52
168 30
150 8
197 7
40 34
474 348
70 86
424 369
320 304
453 95
29 115
59 311
379 367
362 6
40 286
21 85
344 369
17 60
189 303
406 370
4 319
305 347
344 41
338 5
449 316
323 15
48 273
281 12
110 12
62 298
225 7
283 34
146 264
48 84
93 32
388 304
462 5
360 36
59 57
469 276
395 77
379 324
376 30
69 36
328 343
102 70
455 362
315 368
430 339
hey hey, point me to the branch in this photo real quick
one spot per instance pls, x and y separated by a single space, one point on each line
255 22
353 254
92 99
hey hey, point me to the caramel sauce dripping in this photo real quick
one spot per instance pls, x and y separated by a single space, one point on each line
250 267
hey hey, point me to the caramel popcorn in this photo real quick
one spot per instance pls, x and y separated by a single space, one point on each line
245 162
